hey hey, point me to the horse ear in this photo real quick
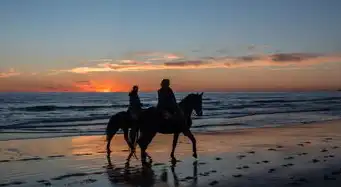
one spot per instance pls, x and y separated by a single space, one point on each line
201 93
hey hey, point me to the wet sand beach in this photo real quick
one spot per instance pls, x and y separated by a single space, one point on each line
294 155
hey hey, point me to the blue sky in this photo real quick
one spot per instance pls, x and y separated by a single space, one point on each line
40 34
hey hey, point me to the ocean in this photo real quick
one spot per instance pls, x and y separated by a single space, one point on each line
36 115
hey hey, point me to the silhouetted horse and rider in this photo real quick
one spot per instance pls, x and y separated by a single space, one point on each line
167 118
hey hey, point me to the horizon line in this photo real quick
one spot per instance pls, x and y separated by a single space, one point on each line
222 91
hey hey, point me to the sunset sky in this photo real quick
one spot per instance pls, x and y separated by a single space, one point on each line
201 45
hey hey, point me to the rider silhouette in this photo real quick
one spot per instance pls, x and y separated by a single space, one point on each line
135 104
166 100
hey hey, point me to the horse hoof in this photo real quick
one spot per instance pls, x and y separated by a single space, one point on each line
195 155
173 162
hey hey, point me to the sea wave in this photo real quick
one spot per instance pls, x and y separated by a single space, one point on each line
55 120
43 108
296 100
73 121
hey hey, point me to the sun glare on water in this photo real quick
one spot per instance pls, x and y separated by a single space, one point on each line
105 90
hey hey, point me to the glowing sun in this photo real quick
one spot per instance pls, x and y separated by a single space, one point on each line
104 90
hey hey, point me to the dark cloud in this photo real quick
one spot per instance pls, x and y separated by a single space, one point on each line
292 57
186 63
249 58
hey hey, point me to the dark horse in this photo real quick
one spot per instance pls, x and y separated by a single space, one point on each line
121 120
152 122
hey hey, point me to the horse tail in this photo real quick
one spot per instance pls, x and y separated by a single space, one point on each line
136 137
112 127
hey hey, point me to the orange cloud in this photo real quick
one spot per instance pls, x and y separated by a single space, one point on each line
278 59
10 73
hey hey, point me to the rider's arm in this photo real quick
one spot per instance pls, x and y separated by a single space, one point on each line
172 96
139 101
159 98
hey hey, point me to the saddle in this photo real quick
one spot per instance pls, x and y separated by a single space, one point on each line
133 114
167 115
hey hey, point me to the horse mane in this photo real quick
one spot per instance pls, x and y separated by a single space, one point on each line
187 98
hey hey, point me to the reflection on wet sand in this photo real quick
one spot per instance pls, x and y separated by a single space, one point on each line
130 175
145 175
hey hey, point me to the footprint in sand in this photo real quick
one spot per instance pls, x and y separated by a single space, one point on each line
246 167
307 142
56 156
88 181
237 175
82 154
44 182
240 156
271 170
272 149
301 154
287 165
335 147
2 161
301 144
265 161
315 161
189 178
213 183
69 175
324 150
30 159
251 152
279 146
217 158
13 183
289 158
204 174
243 167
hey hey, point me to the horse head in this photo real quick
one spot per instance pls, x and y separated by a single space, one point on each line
193 102
198 104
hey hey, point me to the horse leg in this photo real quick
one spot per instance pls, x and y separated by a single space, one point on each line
110 134
189 134
133 135
143 142
175 141
126 138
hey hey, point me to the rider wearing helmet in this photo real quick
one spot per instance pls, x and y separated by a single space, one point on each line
135 104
